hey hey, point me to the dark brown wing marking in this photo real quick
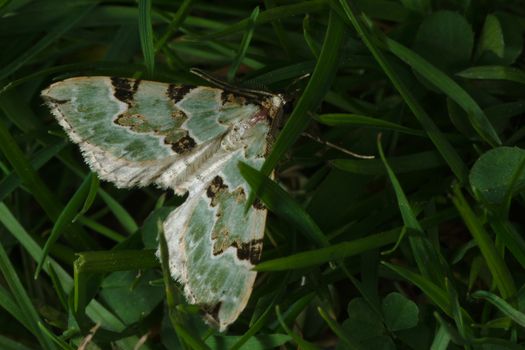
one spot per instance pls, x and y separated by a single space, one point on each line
184 145
124 91
177 92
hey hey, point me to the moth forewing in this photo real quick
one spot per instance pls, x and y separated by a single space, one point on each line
189 139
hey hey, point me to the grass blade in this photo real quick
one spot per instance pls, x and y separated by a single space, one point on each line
449 87
403 164
427 258
496 264
94 310
146 35
437 295
339 331
507 309
312 95
494 73
279 202
176 22
53 34
332 253
115 260
27 310
303 344
12 181
268 16
245 43
27 174
122 215
446 150
65 219
337 119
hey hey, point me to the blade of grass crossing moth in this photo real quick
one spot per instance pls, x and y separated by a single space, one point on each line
494 73
313 94
66 218
499 270
427 258
279 202
175 23
9 183
303 344
146 35
507 309
27 310
52 35
446 150
449 87
245 43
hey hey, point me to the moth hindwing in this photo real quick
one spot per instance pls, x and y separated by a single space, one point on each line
189 139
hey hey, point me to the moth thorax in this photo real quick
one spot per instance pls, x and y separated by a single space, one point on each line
238 134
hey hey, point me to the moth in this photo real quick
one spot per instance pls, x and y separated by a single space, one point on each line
188 139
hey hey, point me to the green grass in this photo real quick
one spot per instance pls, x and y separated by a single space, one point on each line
422 247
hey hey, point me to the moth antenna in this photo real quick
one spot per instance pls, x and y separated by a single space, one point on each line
251 93
253 84
298 79
334 146
211 79
293 89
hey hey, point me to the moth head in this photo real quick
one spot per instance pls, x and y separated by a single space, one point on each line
272 106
